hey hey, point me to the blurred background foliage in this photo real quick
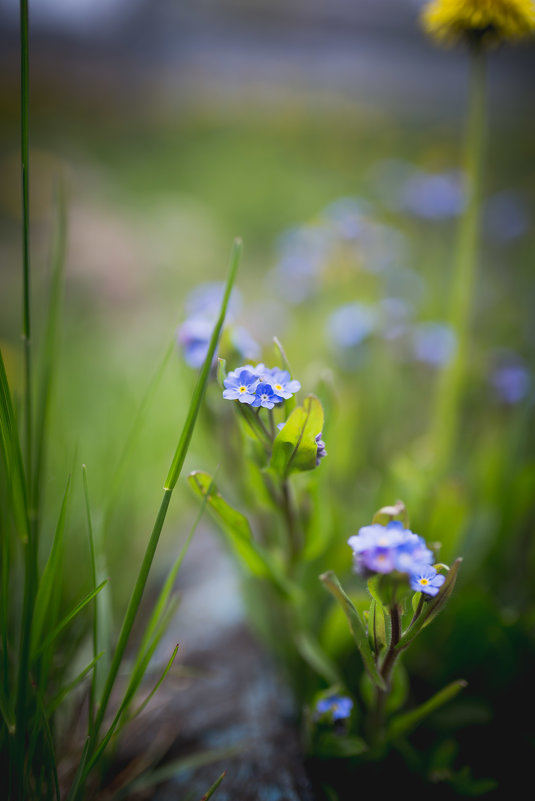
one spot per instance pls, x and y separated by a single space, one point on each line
328 136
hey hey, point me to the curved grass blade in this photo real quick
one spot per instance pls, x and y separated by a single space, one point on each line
356 625
172 478
403 724
67 619
58 698
168 667
214 787
315 656
50 576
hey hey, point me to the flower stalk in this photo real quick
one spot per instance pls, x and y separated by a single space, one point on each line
449 398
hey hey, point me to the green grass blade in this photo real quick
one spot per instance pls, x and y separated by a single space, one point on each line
403 724
165 592
356 625
67 619
12 458
50 577
158 683
187 431
58 698
172 478
214 787
178 766
49 353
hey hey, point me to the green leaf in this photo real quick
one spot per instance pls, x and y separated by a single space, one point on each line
433 607
356 625
238 533
403 724
295 447
315 656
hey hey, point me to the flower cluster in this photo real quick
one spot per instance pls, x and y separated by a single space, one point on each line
260 385
493 20
391 548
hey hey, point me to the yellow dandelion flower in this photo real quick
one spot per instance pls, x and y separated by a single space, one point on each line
487 21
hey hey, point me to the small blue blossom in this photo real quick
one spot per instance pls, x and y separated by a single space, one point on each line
281 382
384 549
338 706
265 396
424 578
241 386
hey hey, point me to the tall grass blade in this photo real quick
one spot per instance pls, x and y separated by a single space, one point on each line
12 458
49 356
51 575
173 475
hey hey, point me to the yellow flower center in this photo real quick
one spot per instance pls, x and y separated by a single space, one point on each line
242 389
424 581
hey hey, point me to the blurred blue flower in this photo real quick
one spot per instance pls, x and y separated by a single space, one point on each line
241 387
433 196
347 216
384 549
350 324
506 216
510 378
424 578
394 315
193 337
205 300
265 396
301 254
322 450
402 187
243 342
374 547
337 706
434 343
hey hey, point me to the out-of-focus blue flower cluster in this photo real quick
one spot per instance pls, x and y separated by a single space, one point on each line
259 385
395 549
202 309
337 707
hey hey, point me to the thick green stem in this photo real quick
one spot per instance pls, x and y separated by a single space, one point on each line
445 425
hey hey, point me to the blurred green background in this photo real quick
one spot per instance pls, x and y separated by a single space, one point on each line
330 140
